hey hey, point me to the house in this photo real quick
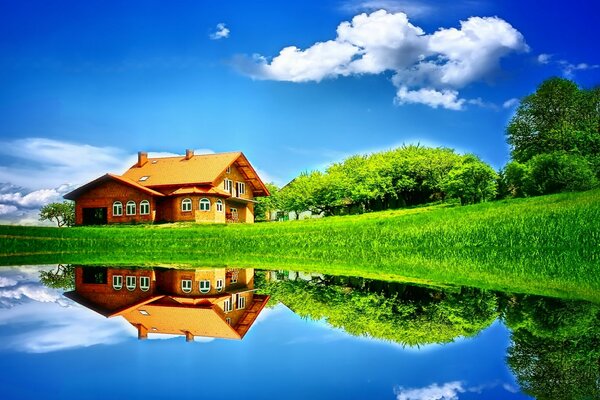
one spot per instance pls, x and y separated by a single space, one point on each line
215 302
202 188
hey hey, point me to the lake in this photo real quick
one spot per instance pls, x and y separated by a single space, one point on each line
126 332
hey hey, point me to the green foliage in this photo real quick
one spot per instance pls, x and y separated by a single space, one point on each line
545 245
515 178
555 348
61 213
61 278
559 116
471 180
265 205
405 176
557 172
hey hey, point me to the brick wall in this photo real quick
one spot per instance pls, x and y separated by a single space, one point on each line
105 194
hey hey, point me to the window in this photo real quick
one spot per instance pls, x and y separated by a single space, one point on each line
204 204
144 312
228 170
240 188
227 183
145 283
144 178
219 285
117 282
227 305
117 208
186 285
130 281
234 275
130 208
144 207
241 303
228 320
186 205
219 205
204 286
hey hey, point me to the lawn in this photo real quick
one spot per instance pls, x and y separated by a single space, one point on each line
546 245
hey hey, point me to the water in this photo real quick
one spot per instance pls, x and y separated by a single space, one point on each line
294 336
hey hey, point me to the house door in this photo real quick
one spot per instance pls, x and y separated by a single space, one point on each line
95 216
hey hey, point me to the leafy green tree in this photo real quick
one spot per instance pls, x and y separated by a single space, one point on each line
265 205
61 278
515 177
471 181
61 213
559 116
557 172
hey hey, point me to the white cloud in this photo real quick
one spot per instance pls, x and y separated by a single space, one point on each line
544 58
447 391
428 67
222 32
510 103
431 97
7 209
567 68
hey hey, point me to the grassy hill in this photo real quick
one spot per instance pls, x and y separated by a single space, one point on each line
546 245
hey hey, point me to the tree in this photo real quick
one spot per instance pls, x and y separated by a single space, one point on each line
471 181
265 205
62 213
559 116
557 172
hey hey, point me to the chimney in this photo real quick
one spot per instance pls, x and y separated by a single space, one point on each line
142 332
189 337
142 158
189 153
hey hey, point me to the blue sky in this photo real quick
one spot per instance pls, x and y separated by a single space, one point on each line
85 85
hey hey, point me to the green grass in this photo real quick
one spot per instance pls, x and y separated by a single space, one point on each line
545 245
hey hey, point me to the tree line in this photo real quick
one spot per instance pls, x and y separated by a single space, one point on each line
554 138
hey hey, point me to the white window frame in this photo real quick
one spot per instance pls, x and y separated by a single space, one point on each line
219 285
204 289
241 302
240 188
186 205
227 305
128 279
204 204
144 279
144 178
119 206
117 282
144 207
186 285
219 205
228 185
130 203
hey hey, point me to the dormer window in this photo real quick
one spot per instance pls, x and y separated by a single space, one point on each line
144 178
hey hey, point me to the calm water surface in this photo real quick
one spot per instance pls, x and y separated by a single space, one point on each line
86 333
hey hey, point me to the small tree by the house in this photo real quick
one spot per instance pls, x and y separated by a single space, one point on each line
61 213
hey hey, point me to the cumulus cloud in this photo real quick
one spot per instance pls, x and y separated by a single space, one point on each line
447 391
410 7
510 103
222 32
426 68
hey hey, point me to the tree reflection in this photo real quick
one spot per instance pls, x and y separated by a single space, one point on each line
555 351
406 314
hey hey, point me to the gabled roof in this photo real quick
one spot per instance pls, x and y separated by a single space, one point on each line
198 170
90 185
201 190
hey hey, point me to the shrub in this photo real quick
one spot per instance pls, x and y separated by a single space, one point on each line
558 172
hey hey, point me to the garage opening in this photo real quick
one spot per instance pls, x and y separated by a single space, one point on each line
95 216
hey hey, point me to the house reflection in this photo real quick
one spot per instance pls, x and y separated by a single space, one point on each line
211 302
